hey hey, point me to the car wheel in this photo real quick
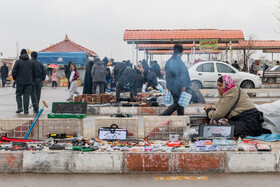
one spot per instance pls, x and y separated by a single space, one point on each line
197 84
271 80
247 84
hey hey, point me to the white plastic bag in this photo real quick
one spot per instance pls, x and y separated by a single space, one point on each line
184 99
168 99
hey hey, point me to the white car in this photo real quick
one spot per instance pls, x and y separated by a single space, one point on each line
206 74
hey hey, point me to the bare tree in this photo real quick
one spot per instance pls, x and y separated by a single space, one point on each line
219 57
276 13
246 50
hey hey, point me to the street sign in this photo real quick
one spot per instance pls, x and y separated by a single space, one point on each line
208 45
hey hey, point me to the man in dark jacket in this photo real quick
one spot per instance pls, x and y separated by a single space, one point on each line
177 79
22 73
4 73
39 77
98 74
151 79
155 68
235 64
127 76
117 67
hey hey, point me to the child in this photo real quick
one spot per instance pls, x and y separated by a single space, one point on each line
73 82
54 78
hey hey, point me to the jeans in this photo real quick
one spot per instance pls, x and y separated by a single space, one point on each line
73 89
36 93
175 106
24 90
4 79
101 87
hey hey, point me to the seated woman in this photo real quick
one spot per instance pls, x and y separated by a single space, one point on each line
237 108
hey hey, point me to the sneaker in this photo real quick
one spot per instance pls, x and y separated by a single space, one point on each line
35 111
26 112
19 111
69 99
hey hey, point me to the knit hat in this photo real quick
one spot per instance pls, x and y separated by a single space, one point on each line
34 54
23 51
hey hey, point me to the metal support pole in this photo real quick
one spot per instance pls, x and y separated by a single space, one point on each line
226 53
133 47
245 68
147 56
137 50
230 61
272 60
193 51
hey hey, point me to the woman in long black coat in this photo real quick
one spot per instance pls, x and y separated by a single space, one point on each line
88 79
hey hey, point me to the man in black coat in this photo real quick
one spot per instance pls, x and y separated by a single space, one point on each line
4 73
127 76
177 79
39 77
155 68
235 64
23 73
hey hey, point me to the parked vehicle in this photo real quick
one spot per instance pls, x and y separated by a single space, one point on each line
206 74
272 75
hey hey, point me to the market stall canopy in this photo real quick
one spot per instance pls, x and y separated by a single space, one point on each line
181 36
271 51
252 44
69 46
170 52
79 58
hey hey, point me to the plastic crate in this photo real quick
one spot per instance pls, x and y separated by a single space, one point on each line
130 124
47 126
160 127
17 128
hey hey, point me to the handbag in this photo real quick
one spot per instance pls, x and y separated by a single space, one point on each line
185 99
168 99
112 133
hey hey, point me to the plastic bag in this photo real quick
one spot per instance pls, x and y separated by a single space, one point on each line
191 133
184 99
168 99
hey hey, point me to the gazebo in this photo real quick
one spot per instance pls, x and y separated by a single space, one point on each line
65 51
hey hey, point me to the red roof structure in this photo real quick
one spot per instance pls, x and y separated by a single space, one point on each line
161 52
252 44
181 35
69 46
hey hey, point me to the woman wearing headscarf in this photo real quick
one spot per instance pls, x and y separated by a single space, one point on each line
88 79
235 108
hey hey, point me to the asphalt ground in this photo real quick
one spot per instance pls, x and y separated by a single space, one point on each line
140 180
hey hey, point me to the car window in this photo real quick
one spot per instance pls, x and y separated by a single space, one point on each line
208 67
222 68
277 69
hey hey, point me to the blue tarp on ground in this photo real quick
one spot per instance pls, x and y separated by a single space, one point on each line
78 58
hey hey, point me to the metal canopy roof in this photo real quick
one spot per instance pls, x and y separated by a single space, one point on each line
183 36
252 44
169 52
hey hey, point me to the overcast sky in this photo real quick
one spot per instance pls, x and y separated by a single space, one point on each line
99 24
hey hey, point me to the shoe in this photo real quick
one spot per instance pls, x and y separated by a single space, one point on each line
19 111
26 112
35 111
69 99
